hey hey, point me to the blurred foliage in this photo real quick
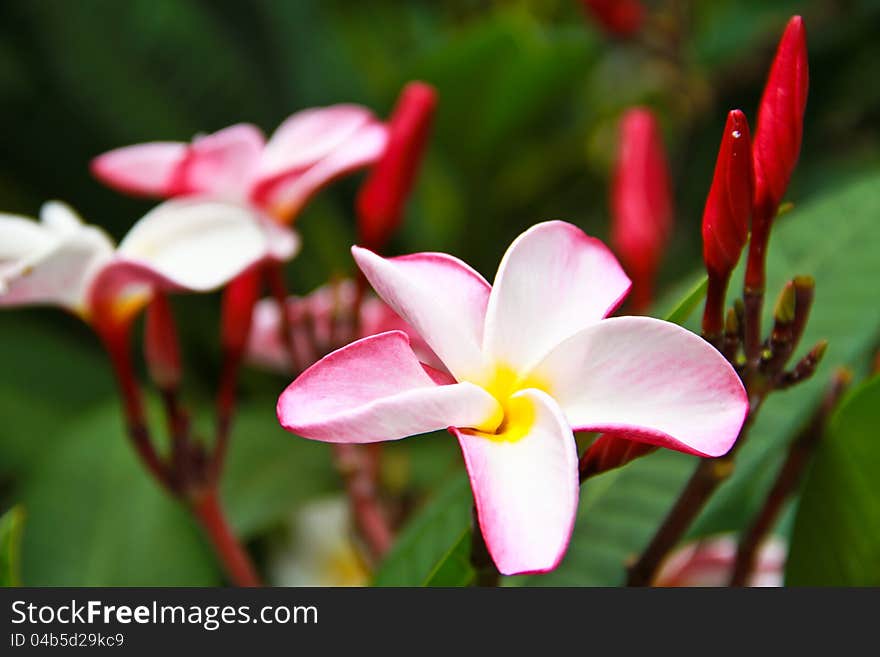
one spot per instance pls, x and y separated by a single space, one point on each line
530 92
11 527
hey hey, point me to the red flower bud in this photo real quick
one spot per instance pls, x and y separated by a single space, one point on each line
622 18
239 299
729 204
611 451
777 141
161 347
641 202
382 198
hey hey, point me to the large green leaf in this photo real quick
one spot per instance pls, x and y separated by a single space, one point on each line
270 472
836 537
54 376
96 519
430 539
11 527
454 568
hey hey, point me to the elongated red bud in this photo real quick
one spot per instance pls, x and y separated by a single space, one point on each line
161 345
621 18
239 299
641 202
729 203
781 120
382 198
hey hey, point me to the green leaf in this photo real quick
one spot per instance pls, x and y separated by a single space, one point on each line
11 527
454 568
96 519
618 512
39 398
429 549
270 472
836 537
686 306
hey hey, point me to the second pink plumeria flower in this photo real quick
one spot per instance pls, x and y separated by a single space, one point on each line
531 359
308 150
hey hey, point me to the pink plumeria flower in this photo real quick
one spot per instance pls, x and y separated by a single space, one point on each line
182 245
319 323
710 562
307 151
530 360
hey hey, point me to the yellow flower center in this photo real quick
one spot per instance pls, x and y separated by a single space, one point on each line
516 415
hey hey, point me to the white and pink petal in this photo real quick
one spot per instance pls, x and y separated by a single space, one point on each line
151 169
376 389
553 281
442 298
650 380
285 191
525 489
222 164
52 262
196 244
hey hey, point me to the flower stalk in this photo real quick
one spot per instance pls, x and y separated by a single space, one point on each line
787 480
206 508
186 474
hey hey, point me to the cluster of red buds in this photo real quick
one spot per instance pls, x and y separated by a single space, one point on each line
750 180
749 183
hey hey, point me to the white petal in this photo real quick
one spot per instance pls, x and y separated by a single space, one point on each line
42 265
553 281
60 218
22 239
196 244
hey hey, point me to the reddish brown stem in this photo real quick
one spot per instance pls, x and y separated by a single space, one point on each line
278 290
756 264
713 313
226 397
709 474
705 479
236 562
754 302
116 342
787 480
353 464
